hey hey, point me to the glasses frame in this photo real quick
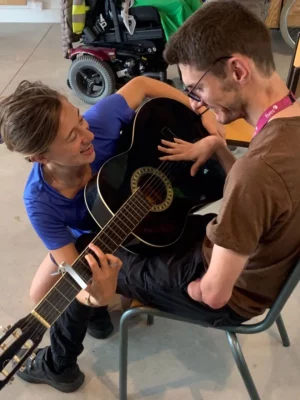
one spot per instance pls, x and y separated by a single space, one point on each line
189 92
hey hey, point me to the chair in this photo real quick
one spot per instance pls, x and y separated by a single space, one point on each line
273 315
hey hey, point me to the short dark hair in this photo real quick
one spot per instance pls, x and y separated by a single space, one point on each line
29 118
217 29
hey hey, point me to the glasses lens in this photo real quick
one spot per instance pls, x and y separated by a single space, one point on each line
194 97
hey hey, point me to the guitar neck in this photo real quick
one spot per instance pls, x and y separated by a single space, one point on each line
133 211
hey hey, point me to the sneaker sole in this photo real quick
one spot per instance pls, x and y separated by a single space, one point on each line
62 387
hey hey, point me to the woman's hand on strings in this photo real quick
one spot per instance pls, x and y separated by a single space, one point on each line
198 152
105 275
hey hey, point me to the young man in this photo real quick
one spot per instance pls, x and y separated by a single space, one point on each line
67 149
226 61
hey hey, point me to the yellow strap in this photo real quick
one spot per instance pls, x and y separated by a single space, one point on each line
77 27
80 9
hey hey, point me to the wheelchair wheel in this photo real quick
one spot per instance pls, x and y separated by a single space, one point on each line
289 32
91 79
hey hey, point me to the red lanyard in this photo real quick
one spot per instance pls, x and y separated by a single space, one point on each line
273 110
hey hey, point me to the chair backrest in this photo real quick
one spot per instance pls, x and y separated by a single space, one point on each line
284 295
276 308
292 81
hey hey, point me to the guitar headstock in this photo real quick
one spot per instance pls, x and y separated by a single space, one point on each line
17 344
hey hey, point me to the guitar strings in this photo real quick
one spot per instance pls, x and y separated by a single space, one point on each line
165 168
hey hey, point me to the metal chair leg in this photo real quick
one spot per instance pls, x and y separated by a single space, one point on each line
150 319
123 357
242 365
282 331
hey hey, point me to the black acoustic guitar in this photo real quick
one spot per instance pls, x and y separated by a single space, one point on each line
137 201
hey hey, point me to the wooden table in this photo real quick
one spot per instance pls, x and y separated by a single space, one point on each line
239 133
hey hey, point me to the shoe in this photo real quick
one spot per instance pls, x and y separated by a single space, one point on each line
100 325
38 371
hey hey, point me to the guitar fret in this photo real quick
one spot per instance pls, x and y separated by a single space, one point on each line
139 217
55 302
140 200
120 222
122 214
143 204
52 305
114 233
115 227
103 233
133 212
103 246
62 294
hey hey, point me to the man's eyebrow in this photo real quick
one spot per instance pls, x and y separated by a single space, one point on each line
71 131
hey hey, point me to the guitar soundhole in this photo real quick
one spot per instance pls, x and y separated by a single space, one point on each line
156 191
155 185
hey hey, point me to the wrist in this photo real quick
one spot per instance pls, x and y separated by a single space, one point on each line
219 144
202 110
86 299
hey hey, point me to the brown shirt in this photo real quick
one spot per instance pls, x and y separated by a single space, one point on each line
260 215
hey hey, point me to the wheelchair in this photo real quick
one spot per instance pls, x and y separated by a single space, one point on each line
108 55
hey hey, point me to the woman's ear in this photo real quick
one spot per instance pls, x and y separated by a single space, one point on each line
40 158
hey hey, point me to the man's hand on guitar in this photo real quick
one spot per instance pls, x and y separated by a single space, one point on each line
105 275
198 152
208 119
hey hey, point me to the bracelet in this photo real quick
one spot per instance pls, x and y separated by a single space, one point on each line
88 302
203 112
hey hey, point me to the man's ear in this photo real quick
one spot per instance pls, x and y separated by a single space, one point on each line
40 158
239 68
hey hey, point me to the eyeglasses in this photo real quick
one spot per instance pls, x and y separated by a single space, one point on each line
189 92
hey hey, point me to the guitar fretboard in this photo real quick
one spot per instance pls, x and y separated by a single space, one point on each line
108 240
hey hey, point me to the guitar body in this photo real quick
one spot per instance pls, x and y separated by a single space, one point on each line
178 194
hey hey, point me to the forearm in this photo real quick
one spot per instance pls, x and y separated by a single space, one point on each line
143 87
224 269
154 88
214 295
224 155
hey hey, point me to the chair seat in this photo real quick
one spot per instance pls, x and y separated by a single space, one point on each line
136 303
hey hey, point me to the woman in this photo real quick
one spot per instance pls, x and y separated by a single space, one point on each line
67 149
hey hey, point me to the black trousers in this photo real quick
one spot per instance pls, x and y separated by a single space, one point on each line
160 281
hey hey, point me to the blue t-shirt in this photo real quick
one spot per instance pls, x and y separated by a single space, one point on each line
58 220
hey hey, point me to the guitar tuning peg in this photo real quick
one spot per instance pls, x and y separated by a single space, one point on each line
4 330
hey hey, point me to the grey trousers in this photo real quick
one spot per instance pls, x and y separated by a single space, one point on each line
258 7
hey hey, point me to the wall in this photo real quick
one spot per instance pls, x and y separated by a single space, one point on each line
35 11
